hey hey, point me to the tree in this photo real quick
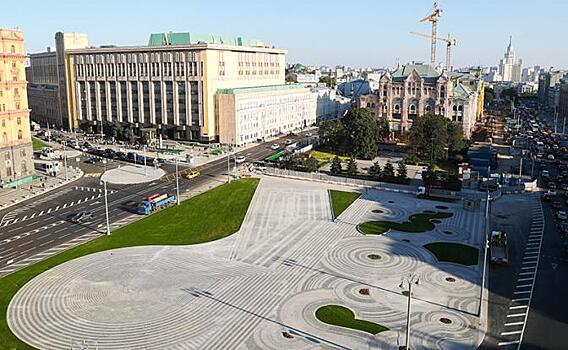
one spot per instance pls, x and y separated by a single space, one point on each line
402 172
293 162
352 167
388 171
455 138
383 130
311 165
361 133
375 171
488 96
331 133
434 137
509 94
328 80
429 177
336 166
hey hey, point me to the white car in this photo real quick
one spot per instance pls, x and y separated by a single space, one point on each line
561 215
309 134
275 146
550 157
240 159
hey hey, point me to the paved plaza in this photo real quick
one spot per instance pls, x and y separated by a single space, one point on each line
132 174
260 288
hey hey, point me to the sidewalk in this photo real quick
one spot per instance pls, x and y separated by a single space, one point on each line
13 196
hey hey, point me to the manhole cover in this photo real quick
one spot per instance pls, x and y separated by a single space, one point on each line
445 320
374 256
377 211
450 279
442 207
364 291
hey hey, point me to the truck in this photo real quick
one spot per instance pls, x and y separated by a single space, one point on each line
436 193
498 247
155 202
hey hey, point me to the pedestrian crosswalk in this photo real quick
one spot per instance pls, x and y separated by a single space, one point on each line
13 220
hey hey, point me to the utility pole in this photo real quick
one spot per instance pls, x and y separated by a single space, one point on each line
145 169
410 280
65 160
177 182
106 208
485 243
521 167
229 164
555 121
48 135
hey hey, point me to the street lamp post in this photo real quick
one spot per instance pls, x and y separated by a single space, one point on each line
65 160
145 169
106 208
410 280
177 182
229 164
485 244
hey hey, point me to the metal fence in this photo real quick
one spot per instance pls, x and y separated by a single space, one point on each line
339 180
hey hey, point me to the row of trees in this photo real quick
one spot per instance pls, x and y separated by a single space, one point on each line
300 163
357 134
387 173
433 138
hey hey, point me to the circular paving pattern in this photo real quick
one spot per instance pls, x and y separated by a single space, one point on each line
350 258
460 282
120 301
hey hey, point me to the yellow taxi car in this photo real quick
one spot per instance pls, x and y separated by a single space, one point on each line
192 173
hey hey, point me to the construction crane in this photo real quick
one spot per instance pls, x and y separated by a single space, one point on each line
449 43
433 18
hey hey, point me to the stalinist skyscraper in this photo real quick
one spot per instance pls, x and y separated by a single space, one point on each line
509 68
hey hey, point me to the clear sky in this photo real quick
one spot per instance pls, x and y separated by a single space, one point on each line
363 33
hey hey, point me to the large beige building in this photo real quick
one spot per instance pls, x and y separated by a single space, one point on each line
256 113
48 76
16 164
169 85
417 89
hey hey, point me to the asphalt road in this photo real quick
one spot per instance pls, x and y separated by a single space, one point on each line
44 221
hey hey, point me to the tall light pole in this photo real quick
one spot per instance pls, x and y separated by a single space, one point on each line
177 182
145 169
229 164
106 208
485 243
65 160
410 281
521 167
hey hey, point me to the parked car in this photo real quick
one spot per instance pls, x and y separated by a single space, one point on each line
557 205
82 217
240 159
561 215
275 146
550 157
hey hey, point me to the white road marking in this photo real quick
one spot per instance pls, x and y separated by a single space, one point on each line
511 333
516 315
513 324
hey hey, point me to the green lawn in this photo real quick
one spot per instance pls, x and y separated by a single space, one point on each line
336 315
416 223
454 253
341 200
326 157
38 144
209 216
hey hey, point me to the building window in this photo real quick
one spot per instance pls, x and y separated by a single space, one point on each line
13 49
19 120
20 135
5 139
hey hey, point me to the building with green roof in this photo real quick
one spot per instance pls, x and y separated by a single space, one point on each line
189 38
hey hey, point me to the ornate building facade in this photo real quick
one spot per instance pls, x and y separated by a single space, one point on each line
16 164
417 89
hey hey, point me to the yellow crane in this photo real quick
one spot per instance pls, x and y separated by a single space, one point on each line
433 18
449 43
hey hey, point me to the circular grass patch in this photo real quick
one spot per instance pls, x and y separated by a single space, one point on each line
341 316
454 252
421 222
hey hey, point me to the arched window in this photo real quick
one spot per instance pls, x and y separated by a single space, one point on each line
24 167
460 108
455 108
412 109
4 138
428 109
20 135
397 108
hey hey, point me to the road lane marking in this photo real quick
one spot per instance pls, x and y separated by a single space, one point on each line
511 333
513 324
516 315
